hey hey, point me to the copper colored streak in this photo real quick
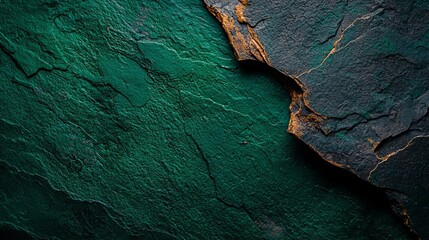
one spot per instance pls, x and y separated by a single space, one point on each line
246 45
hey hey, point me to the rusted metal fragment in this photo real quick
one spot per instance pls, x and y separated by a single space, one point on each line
363 70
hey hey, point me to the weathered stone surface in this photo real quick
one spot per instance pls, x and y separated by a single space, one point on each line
132 120
362 68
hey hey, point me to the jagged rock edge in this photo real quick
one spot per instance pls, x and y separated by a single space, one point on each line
247 46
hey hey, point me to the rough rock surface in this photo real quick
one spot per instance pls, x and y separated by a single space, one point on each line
363 73
132 120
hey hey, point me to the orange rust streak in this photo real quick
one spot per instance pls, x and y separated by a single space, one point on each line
258 46
246 45
385 158
244 2
239 12
235 37
338 41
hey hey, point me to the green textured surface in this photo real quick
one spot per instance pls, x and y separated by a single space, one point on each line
131 119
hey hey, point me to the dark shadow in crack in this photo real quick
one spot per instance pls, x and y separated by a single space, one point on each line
335 177
10 233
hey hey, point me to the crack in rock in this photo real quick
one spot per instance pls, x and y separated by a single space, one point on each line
376 50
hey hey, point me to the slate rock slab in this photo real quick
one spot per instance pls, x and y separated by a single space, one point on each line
363 73
131 119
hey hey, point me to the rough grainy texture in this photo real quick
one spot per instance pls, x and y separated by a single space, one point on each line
362 68
132 120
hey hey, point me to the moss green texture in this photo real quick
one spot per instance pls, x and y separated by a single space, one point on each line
132 120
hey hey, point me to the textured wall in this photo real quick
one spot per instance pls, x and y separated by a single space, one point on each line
362 100
132 120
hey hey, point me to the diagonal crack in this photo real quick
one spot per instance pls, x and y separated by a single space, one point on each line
209 171
337 43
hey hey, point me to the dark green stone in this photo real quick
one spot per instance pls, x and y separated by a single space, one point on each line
362 68
132 120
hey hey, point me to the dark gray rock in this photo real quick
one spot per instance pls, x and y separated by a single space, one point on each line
362 68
